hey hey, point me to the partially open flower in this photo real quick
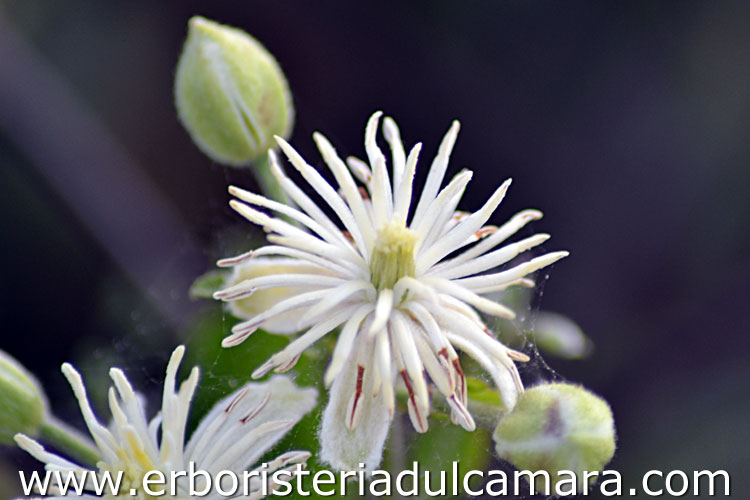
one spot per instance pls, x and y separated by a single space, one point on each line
404 290
233 436
230 93
261 300
23 406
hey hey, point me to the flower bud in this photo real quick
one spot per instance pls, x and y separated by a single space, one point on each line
23 406
230 93
557 427
561 336
262 300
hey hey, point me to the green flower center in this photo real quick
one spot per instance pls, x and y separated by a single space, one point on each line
393 256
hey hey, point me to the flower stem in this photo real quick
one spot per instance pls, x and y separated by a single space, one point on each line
69 440
268 183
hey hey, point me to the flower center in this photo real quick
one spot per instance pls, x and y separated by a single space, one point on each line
133 468
393 256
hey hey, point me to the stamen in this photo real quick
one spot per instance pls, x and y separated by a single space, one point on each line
418 420
233 261
459 215
485 231
460 415
233 404
354 410
237 338
517 356
461 388
288 365
255 411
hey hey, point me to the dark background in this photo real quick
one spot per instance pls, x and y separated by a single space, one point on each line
627 123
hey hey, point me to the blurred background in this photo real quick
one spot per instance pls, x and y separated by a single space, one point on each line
627 124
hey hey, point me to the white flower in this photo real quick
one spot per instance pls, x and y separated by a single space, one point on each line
233 436
404 293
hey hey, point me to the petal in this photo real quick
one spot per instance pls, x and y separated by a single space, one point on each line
344 448
268 408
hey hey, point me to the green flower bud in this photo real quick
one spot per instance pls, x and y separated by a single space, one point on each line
557 427
23 406
230 93
561 336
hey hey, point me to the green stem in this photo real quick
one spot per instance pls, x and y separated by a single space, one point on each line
268 183
397 444
69 440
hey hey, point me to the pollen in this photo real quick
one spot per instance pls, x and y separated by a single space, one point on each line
393 256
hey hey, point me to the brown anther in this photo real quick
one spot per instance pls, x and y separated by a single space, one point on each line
357 393
255 411
485 231
288 365
419 419
517 356
461 385
458 216
235 401
348 236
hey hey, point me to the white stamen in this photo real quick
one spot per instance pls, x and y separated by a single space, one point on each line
403 193
490 260
352 195
345 343
393 136
324 189
485 305
436 172
383 309
301 199
458 235
512 274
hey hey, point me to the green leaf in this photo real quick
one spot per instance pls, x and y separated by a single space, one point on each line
481 392
225 370
485 403
436 450
206 284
